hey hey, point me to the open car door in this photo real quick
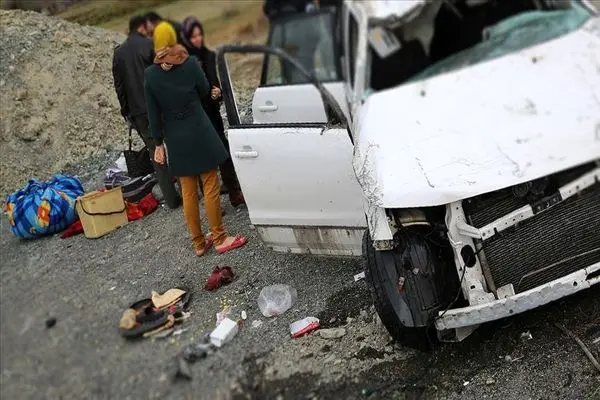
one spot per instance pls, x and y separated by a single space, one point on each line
297 178
286 95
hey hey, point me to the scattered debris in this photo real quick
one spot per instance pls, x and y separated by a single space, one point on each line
466 383
359 277
244 315
231 312
304 326
223 334
490 381
526 336
276 299
155 316
168 298
164 334
582 345
333 333
220 276
510 359
168 325
50 322
179 332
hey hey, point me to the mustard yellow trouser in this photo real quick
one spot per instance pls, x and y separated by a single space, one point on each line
212 203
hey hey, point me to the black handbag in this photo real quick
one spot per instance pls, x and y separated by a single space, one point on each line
138 161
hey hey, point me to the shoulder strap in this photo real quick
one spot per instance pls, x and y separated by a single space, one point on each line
130 137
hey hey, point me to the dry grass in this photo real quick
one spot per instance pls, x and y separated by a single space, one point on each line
225 21
105 11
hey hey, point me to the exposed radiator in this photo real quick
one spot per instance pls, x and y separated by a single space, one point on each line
549 245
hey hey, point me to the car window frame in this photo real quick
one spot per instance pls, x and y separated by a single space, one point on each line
333 110
336 41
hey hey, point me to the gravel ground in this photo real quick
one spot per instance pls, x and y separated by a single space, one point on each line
86 284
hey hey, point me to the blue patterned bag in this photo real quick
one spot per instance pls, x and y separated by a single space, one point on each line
43 208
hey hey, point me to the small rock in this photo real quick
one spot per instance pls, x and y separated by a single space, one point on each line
146 235
21 95
330 359
349 320
256 323
332 320
508 358
11 68
333 333
364 315
50 322
526 336
490 381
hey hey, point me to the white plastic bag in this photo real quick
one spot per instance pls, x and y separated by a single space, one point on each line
276 299
121 163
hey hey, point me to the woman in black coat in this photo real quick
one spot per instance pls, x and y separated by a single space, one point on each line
193 38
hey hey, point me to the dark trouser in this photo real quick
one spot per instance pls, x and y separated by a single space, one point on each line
230 180
165 180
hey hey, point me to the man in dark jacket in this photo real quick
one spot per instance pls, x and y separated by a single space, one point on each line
130 60
153 19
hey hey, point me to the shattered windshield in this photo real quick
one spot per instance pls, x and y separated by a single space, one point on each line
449 35
511 35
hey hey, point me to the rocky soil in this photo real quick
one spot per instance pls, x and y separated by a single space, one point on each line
56 90
59 109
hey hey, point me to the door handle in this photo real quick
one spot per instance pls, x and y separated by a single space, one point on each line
246 154
269 107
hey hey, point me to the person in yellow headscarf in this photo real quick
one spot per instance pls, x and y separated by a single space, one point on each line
175 87
164 34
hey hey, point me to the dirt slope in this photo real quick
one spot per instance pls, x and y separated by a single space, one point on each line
58 106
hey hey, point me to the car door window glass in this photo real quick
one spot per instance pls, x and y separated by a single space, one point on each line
308 38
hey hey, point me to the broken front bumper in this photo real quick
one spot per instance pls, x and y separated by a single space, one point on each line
521 302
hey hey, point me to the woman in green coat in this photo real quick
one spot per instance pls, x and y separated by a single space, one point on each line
174 88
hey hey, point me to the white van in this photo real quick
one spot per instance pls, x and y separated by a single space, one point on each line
463 136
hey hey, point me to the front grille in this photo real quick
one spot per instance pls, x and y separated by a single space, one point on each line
549 245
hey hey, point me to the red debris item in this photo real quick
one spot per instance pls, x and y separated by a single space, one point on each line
74 229
135 211
219 277
304 326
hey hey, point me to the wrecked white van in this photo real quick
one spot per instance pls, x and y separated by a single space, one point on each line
462 135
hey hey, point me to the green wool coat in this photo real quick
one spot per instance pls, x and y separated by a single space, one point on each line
176 115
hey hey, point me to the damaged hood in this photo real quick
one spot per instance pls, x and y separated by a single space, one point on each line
482 128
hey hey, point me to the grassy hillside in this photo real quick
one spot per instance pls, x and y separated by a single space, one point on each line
225 21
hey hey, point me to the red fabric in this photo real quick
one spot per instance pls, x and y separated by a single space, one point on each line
135 211
74 229
219 277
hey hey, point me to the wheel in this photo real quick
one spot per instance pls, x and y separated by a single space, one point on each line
409 284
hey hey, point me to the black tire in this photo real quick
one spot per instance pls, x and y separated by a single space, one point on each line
408 317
